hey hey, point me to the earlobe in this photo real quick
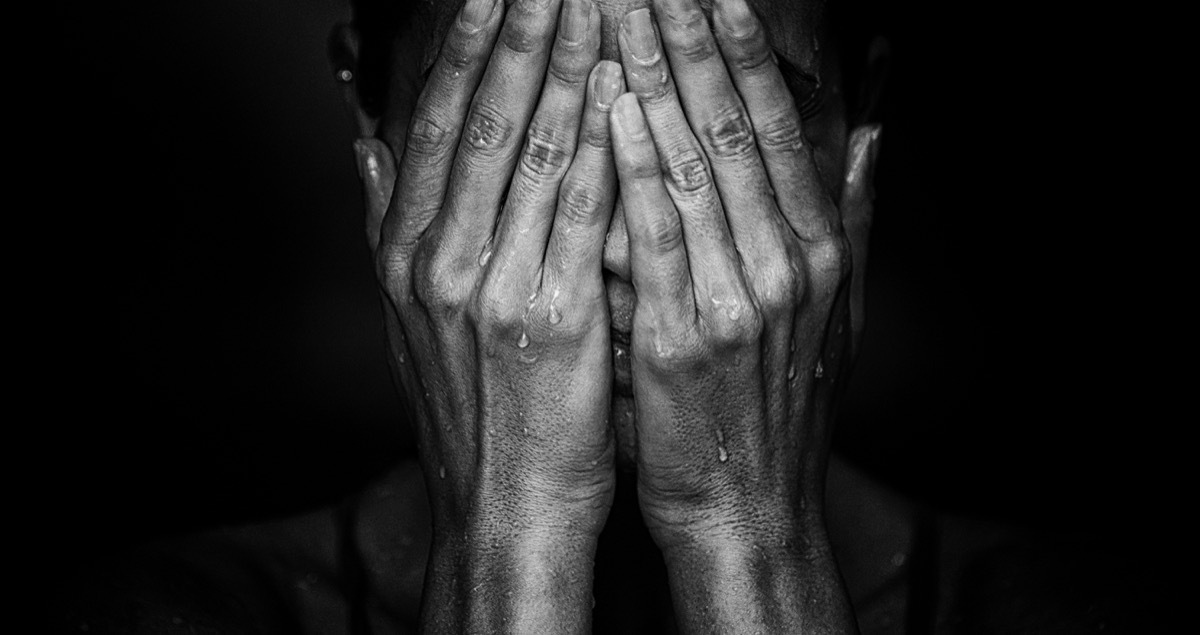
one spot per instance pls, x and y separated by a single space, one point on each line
874 76
343 58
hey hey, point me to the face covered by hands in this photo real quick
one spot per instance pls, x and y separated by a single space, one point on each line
491 223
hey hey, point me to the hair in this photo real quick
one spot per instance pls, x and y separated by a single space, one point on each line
849 24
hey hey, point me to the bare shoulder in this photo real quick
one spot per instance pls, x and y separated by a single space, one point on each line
318 572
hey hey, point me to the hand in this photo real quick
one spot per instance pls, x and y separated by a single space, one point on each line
497 320
742 329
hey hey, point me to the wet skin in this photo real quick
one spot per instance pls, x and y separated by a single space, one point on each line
792 28
490 248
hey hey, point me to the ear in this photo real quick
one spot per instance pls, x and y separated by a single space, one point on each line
874 76
344 58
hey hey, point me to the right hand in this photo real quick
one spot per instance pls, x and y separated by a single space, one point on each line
489 258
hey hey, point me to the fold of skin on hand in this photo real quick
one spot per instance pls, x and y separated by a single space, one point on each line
743 536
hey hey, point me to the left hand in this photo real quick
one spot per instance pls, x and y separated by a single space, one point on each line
742 267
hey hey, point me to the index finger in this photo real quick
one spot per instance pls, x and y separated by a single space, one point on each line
778 129
437 122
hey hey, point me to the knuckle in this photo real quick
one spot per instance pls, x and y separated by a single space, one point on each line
437 285
595 137
694 44
748 57
519 36
777 291
567 69
487 130
578 202
728 330
546 151
729 134
457 54
494 310
830 261
686 172
426 137
781 133
664 233
654 91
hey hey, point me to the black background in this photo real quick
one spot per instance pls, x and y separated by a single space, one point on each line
211 347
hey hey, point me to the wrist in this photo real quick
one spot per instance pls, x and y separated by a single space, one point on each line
520 581
775 582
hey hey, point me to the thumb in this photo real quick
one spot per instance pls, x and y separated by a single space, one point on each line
857 208
377 171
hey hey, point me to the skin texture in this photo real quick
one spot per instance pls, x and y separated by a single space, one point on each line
490 219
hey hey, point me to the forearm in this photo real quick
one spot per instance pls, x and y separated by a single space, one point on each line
526 582
748 585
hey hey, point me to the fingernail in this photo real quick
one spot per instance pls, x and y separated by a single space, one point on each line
643 44
736 17
606 86
573 23
629 116
475 13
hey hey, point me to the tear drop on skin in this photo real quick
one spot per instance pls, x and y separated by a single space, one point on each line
722 454
792 371
820 372
442 472
528 358
555 316
485 256
523 341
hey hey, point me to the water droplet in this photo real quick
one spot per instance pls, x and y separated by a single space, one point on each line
456 74
792 347
528 358
442 472
820 372
523 341
722 454
792 371
555 316
485 256
525 430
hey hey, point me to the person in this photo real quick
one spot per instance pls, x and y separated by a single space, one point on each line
623 293
699 329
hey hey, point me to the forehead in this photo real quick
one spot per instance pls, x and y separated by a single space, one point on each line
792 26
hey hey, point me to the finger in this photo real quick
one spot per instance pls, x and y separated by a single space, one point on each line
659 264
550 143
377 171
585 199
716 115
714 263
436 123
777 124
857 208
499 112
